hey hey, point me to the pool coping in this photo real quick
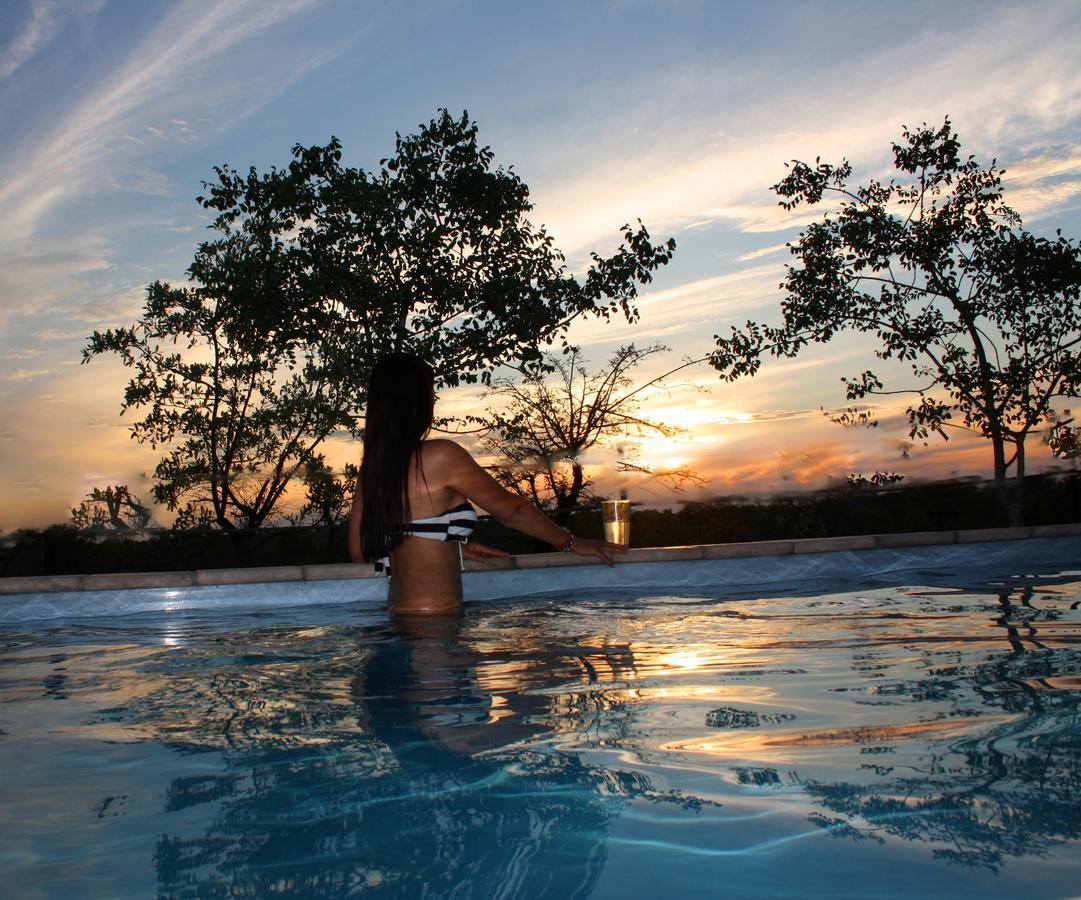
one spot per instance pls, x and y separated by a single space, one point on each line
44 584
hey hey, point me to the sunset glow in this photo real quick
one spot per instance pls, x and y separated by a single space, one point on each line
116 112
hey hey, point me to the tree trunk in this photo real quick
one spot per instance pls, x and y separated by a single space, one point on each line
1009 491
114 502
566 503
1017 499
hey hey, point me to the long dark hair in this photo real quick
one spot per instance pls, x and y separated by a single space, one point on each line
401 400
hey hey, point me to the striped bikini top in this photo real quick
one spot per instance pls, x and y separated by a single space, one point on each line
455 524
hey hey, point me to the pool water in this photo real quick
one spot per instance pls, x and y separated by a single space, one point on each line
876 740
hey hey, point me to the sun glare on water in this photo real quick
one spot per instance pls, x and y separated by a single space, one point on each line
683 659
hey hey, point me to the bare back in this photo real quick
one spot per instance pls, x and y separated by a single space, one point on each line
426 574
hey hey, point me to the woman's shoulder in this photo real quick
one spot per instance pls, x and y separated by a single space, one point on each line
440 450
441 445
444 461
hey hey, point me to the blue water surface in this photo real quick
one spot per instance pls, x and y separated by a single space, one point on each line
886 740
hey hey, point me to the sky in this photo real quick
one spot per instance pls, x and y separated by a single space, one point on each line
677 112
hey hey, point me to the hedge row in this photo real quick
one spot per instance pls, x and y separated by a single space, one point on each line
63 549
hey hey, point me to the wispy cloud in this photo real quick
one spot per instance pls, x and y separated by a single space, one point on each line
53 444
1037 168
115 134
36 34
1004 104
691 145
1041 185
108 305
183 66
32 280
712 300
764 251
1043 201
55 334
22 353
24 374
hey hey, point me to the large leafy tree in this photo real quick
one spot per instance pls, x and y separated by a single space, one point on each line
937 267
543 423
319 268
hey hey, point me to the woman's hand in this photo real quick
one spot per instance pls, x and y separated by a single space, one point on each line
599 549
480 552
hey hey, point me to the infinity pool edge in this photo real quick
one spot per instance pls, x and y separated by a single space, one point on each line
44 584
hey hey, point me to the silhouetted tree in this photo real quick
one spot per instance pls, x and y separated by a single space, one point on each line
317 270
112 507
327 494
1064 440
858 480
546 424
1064 437
938 268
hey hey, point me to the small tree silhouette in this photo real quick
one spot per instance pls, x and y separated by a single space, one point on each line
545 425
112 507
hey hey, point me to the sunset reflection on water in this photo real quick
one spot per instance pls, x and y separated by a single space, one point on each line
856 728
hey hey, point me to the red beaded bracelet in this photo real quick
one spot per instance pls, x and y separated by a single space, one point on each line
568 543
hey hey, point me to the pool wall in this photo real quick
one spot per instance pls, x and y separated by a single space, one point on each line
735 566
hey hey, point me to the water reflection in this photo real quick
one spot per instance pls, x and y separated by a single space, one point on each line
406 765
494 755
1010 790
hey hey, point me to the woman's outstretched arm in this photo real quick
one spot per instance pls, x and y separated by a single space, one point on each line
463 474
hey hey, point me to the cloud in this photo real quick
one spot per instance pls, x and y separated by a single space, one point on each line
56 261
1039 186
36 34
1038 203
55 334
107 306
186 64
152 184
584 212
1002 104
52 436
806 452
784 415
764 251
693 145
118 131
24 374
1035 169
676 310
34 280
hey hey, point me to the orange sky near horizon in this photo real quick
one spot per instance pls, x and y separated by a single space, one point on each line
738 451
113 120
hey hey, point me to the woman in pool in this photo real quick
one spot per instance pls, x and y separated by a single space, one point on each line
413 497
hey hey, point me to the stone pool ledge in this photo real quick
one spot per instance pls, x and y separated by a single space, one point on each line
43 584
